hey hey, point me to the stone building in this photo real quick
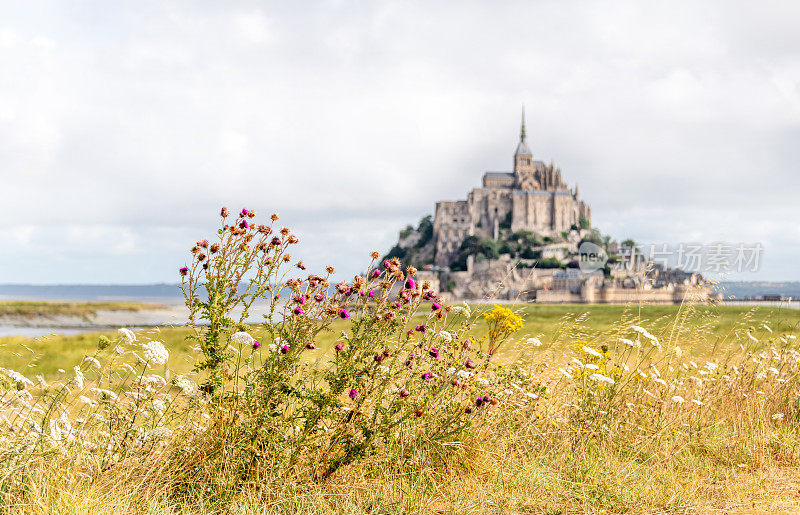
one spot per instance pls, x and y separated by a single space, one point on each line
532 197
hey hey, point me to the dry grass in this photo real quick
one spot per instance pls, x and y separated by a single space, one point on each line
32 309
728 456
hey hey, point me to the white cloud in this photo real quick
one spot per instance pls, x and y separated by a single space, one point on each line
135 125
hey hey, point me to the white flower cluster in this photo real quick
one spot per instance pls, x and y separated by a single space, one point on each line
462 310
127 335
535 342
155 353
242 338
447 337
187 385
600 378
18 378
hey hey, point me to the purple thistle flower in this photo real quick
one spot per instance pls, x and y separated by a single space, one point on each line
397 305
470 364
411 283
376 273
256 344
378 358
344 314
184 270
298 310
420 328
339 347
387 264
243 224
284 349
244 212
479 402
404 393
371 294
353 393
435 306
434 353
301 299
426 376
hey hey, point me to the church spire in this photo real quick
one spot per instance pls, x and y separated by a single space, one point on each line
522 147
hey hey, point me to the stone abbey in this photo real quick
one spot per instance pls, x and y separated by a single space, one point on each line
532 197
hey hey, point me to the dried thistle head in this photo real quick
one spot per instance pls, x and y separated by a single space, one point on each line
284 231
224 212
375 255
330 269
274 217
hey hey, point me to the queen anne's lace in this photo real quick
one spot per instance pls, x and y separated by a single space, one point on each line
155 353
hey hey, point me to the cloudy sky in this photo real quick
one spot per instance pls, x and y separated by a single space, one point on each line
125 126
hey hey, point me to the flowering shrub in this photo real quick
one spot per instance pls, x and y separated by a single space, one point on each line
402 369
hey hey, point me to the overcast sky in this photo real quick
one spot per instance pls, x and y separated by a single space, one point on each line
125 126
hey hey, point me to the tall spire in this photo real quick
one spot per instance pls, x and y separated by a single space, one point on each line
522 147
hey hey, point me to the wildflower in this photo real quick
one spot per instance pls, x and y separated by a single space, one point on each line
187 385
463 374
479 402
103 342
344 314
154 352
411 284
600 378
435 306
434 353
777 416
678 352
426 376
536 342
127 334
628 342
256 344
224 212
241 338
353 393
446 336
677 399
284 349
310 346
590 351
183 270
483 381
297 310
383 369
470 364
79 378
85 400
420 328
339 346
93 361
698 402
451 370
404 393
371 294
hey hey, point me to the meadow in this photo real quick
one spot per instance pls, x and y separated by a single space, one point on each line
30 309
558 326
376 396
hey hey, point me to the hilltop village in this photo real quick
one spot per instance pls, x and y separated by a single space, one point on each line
526 235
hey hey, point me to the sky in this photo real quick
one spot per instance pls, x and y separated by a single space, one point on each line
125 126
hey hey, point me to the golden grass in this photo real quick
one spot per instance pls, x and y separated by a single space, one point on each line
729 456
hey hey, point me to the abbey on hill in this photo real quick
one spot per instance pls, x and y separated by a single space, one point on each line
533 198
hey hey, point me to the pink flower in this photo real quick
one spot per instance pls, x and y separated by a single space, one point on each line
339 347
411 283
376 273
344 314
420 328
284 349
256 344
435 306
404 393
371 294
184 270
434 353
470 364
243 224
426 376
298 310
353 393
387 264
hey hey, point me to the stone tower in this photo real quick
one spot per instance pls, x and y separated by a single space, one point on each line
533 197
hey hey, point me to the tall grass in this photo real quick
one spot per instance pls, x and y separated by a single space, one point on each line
413 410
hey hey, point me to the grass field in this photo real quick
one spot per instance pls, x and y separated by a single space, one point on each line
557 326
31 309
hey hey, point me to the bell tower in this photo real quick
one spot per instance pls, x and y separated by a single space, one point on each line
524 170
